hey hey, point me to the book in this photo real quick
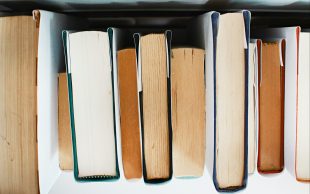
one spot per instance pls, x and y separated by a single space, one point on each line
302 157
271 107
154 108
64 128
291 36
251 106
129 113
188 112
91 97
231 40
254 55
18 105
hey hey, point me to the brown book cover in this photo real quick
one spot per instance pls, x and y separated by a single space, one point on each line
271 108
156 143
18 105
129 115
64 128
188 111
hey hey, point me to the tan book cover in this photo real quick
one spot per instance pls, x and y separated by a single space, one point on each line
155 106
18 106
129 113
188 111
64 128
271 108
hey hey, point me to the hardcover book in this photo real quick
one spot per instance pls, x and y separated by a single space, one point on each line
91 94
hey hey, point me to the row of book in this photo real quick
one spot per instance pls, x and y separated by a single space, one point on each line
170 96
243 93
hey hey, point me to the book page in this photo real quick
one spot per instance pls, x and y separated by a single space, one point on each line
18 105
271 123
230 100
93 103
188 111
155 106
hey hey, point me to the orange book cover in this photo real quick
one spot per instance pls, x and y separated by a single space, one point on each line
130 130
